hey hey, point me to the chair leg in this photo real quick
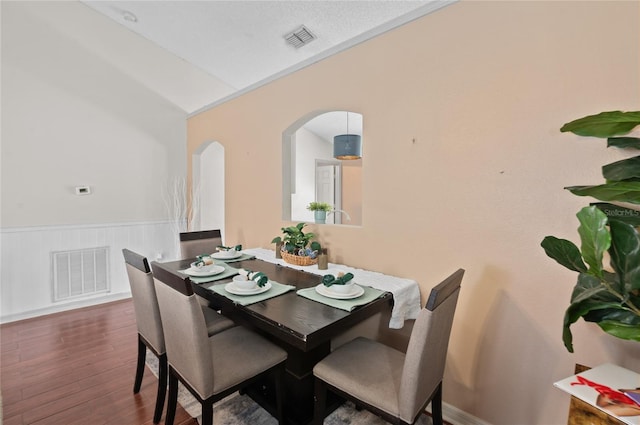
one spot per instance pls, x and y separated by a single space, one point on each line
173 399
436 406
142 356
207 412
320 398
162 387
279 380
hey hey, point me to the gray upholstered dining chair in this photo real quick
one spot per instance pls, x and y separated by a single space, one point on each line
148 322
211 367
200 242
391 384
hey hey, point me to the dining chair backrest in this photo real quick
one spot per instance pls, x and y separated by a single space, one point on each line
145 302
427 350
185 330
196 243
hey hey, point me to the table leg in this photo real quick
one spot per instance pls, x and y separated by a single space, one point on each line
299 386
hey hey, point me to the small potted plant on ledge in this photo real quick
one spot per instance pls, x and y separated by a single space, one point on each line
296 246
606 295
320 210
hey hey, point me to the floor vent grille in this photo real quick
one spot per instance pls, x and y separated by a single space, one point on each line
80 273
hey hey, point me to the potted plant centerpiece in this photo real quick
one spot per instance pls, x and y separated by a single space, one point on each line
320 210
608 296
297 247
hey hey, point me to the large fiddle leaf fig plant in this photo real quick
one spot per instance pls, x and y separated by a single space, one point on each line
608 296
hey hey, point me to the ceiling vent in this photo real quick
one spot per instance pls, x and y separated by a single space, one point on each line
300 37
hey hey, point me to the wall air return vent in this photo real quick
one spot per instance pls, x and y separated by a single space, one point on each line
80 273
300 37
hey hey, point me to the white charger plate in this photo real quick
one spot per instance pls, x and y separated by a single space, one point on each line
222 255
327 292
199 273
231 288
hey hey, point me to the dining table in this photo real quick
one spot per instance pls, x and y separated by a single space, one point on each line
294 313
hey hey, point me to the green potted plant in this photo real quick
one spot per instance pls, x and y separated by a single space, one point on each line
296 245
320 210
607 296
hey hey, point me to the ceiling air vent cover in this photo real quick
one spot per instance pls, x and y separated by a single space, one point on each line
300 37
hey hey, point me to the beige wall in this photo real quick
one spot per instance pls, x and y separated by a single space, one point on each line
352 194
465 167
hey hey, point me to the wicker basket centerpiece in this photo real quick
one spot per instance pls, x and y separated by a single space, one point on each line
298 260
296 246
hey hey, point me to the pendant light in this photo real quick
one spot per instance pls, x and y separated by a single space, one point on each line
347 146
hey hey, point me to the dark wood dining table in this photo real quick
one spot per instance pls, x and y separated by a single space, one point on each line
302 327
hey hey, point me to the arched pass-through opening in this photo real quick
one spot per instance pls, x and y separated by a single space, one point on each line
307 158
207 194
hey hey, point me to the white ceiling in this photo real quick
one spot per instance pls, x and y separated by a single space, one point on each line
233 46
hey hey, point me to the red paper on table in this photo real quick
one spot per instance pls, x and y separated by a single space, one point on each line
610 388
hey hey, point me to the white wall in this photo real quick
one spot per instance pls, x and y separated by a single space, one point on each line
70 119
309 147
208 178
26 273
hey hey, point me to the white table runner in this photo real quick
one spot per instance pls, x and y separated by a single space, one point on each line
406 292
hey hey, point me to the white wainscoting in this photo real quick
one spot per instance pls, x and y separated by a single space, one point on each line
26 288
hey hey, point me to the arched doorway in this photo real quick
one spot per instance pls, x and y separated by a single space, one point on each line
207 176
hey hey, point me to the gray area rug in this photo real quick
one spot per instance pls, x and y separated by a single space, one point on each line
239 409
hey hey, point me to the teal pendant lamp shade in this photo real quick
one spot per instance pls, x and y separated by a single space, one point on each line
347 146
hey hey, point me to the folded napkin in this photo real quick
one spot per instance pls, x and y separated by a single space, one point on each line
275 290
369 295
406 292
227 273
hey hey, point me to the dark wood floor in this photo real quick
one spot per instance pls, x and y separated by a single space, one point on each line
76 367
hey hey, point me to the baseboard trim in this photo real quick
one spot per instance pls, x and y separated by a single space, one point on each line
455 416
64 307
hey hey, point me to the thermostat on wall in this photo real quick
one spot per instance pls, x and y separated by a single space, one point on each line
83 190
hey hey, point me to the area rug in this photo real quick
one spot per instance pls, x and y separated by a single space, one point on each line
239 409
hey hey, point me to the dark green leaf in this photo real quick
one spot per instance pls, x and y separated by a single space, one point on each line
613 280
617 212
567 337
595 237
580 309
620 330
616 312
625 254
596 295
589 286
622 170
624 142
571 315
617 191
604 124
564 252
